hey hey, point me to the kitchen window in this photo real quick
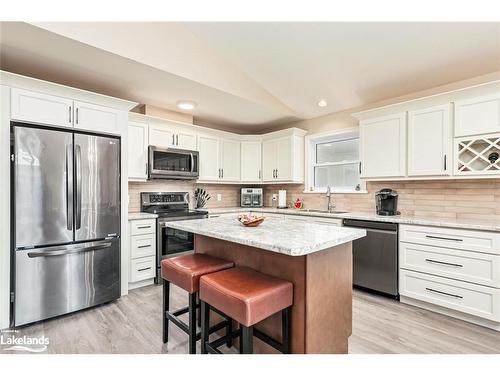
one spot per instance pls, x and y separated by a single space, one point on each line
333 160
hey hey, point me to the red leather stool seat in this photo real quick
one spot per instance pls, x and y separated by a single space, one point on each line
246 295
185 270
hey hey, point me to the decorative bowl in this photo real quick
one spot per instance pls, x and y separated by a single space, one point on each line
250 221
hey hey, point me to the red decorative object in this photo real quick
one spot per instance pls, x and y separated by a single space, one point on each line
298 204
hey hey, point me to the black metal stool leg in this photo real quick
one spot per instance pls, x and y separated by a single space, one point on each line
247 339
229 332
166 298
192 323
286 329
205 322
198 310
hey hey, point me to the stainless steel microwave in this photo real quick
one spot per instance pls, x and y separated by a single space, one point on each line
173 164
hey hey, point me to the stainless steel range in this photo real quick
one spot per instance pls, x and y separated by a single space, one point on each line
170 207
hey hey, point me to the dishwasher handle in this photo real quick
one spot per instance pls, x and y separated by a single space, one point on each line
366 224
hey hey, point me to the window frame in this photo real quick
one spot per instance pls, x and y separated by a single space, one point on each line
311 141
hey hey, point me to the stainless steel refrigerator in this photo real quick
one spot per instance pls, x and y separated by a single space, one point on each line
65 221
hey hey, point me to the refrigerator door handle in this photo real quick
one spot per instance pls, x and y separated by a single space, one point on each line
69 187
78 171
61 250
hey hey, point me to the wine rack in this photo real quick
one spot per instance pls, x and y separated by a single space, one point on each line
478 155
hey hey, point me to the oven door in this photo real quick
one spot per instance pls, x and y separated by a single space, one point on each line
173 163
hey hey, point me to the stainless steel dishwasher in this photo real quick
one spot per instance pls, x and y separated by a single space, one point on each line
375 257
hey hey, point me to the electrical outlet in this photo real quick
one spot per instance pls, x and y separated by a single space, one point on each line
219 197
275 197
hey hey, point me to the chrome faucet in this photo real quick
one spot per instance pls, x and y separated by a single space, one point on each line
331 206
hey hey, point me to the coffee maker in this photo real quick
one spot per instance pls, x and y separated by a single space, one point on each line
387 202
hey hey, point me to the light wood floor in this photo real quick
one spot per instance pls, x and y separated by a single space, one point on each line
133 325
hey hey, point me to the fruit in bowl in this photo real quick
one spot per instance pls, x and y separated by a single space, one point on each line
250 220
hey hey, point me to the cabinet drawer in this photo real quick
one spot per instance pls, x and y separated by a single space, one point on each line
142 227
142 245
142 269
484 242
469 298
457 264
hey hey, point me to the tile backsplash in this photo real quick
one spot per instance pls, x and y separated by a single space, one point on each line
472 199
230 193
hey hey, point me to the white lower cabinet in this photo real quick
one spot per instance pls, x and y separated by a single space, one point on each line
454 269
142 252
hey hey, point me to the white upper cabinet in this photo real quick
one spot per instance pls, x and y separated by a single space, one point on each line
430 141
230 159
185 139
283 156
479 115
251 161
209 150
161 136
41 108
137 150
172 135
383 146
269 157
96 118
284 160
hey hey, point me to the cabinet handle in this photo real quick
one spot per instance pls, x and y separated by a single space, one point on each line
276 173
259 175
444 293
222 172
359 167
146 168
444 263
444 238
219 172
173 140
144 227
445 162
69 111
144 269
77 115
143 246
177 139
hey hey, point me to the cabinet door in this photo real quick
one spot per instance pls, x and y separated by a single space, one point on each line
383 146
251 161
161 136
96 118
137 150
41 108
185 139
284 159
230 160
208 148
477 116
429 141
269 152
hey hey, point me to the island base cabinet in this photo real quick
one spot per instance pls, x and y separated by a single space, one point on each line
322 295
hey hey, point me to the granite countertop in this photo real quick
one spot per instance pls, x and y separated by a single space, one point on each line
486 225
293 238
141 216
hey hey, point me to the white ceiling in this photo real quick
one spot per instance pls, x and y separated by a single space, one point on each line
252 75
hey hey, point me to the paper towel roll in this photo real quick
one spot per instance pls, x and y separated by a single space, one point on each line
282 199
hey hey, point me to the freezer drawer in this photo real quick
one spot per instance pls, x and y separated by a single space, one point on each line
57 280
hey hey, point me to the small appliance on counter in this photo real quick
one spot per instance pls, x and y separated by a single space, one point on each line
282 199
252 197
387 202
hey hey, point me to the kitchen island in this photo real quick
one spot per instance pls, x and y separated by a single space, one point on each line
316 258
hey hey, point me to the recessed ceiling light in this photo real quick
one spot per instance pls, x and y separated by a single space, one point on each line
322 103
186 105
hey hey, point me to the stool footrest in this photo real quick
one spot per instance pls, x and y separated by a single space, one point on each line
179 323
269 340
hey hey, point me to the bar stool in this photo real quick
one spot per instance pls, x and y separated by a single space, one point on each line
248 297
185 272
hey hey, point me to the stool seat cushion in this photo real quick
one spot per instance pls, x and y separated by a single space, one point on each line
185 270
246 295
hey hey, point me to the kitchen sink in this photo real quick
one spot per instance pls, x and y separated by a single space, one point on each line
326 211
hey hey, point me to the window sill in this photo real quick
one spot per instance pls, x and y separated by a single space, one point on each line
336 192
